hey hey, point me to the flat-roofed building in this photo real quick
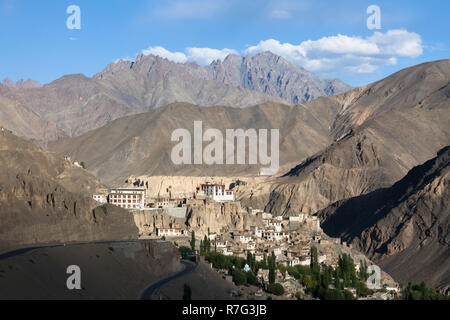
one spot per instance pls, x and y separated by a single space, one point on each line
170 232
127 198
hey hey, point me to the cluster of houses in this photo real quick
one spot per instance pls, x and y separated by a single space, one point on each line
289 238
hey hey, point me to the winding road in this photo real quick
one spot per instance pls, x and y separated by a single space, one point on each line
147 293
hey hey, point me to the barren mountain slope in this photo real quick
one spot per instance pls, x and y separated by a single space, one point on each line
141 144
405 227
41 203
381 131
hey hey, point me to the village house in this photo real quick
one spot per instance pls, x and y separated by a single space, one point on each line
266 216
212 236
294 261
391 288
102 198
221 243
299 218
258 233
169 232
304 261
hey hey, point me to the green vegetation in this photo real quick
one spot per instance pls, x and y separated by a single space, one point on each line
205 246
272 268
185 250
220 261
251 278
193 241
421 292
239 277
83 165
326 282
329 284
275 288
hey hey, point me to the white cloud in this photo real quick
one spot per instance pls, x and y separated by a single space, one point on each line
202 56
341 52
327 55
179 57
398 42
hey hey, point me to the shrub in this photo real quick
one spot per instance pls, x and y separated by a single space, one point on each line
239 277
251 279
275 288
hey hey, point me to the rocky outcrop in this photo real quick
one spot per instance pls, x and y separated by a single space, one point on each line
217 217
275 76
148 222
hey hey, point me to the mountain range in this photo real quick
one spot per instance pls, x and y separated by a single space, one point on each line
75 104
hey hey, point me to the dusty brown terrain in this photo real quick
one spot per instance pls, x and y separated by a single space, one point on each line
141 144
205 283
404 228
379 133
108 271
44 198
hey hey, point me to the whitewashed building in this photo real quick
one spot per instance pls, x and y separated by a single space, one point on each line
170 232
217 192
127 198
102 198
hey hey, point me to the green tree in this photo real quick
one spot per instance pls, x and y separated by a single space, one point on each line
283 269
272 267
314 264
193 241
251 278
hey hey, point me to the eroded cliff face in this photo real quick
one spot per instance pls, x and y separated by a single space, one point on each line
200 217
36 207
148 222
215 216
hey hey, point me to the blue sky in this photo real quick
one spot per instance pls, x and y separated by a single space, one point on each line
329 39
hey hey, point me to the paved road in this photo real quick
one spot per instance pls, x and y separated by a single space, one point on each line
148 292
